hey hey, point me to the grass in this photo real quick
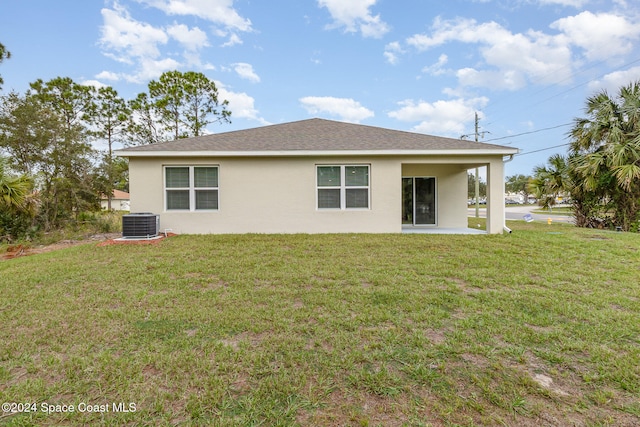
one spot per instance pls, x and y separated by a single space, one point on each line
562 210
540 327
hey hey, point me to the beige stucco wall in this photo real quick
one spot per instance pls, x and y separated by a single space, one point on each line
275 195
278 195
495 197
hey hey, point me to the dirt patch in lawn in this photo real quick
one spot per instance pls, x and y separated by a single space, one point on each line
106 239
19 250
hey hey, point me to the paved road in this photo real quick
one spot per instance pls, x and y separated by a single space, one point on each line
518 213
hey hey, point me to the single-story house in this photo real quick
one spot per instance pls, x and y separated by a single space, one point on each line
313 176
119 201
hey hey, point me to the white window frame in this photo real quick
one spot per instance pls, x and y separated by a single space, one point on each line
343 187
192 188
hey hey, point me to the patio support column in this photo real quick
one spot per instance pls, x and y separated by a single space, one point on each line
495 196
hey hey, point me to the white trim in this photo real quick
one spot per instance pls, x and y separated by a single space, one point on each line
343 187
306 153
192 188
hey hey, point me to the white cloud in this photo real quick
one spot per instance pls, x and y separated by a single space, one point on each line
572 3
241 105
601 36
193 60
510 60
391 52
354 15
437 68
219 12
245 71
501 80
233 40
129 38
95 83
614 81
514 58
149 69
391 57
192 39
347 109
107 75
142 45
449 118
129 41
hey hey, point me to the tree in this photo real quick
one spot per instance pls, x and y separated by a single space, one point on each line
591 204
471 186
143 127
28 134
108 115
13 189
550 181
185 103
202 102
26 131
46 134
168 95
17 202
121 174
66 169
518 184
177 105
4 54
605 149
70 100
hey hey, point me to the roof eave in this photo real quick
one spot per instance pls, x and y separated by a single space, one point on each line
320 153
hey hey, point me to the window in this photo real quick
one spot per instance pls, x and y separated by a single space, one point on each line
343 187
191 188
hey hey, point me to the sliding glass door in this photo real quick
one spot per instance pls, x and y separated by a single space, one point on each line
419 200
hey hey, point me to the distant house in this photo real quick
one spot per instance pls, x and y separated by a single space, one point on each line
119 201
314 176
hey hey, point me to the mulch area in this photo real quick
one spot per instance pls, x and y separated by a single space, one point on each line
15 251
19 250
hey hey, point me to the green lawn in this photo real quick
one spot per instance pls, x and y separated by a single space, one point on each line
563 210
540 327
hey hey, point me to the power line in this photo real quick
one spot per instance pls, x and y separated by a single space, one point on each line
528 133
543 149
585 83
574 74
556 84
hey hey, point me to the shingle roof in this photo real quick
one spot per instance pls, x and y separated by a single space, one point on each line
315 135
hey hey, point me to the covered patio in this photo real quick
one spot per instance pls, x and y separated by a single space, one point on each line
435 194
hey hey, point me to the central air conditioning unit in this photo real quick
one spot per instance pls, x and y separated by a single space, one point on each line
140 225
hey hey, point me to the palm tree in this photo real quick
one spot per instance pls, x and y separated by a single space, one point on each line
18 204
14 190
605 150
550 181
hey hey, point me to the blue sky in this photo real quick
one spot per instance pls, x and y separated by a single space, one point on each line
526 66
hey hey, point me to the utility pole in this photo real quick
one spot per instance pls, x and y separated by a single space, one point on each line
477 134
477 174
